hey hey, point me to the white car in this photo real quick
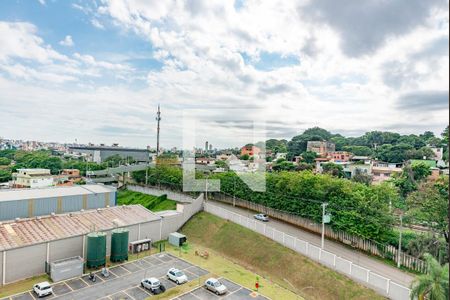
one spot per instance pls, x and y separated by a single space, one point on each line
177 276
42 289
214 285
152 284
261 217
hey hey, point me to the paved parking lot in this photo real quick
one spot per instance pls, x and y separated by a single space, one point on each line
123 282
235 292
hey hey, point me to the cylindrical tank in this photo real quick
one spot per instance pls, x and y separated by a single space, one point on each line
119 244
96 249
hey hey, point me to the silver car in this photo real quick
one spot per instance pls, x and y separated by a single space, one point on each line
214 285
261 217
153 284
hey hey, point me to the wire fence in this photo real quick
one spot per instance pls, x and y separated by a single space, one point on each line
382 284
369 246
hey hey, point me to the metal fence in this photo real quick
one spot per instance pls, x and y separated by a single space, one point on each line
383 285
369 246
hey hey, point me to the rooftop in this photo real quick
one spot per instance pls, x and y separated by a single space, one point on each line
14 234
50 192
115 148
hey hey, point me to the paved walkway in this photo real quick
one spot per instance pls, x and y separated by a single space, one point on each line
356 257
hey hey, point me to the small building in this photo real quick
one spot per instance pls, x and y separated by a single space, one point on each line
99 153
27 203
250 151
32 178
27 246
380 174
205 161
321 148
359 159
339 156
280 156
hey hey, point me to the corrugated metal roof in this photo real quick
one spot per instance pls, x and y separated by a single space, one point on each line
51 192
14 234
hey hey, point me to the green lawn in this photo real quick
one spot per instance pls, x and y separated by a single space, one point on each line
271 260
153 203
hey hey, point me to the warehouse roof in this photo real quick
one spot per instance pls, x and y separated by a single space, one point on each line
53 192
25 232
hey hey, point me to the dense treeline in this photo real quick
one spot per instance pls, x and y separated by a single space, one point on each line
42 159
355 208
386 146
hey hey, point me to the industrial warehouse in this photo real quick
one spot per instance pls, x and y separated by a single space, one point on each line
27 203
28 246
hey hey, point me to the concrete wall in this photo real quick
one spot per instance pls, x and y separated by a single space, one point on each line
25 262
30 261
65 248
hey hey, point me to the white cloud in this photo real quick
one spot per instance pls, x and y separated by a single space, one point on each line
210 53
42 2
67 41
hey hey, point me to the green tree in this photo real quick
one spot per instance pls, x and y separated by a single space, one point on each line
309 157
4 161
283 165
245 157
393 153
430 204
333 169
362 177
221 164
8 153
5 175
434 284
359 150
340 141
276 146
299 143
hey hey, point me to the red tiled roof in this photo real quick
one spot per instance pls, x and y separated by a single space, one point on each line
25 232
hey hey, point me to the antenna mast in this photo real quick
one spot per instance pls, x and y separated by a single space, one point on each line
158 119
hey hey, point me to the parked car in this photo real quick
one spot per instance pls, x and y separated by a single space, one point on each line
177 276
153 284
214 285
42 289
261 217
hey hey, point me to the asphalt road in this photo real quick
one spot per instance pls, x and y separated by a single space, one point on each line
356 257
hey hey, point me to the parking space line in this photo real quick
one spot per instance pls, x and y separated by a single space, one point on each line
124 291
84 281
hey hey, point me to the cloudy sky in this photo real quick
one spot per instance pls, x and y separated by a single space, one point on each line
95 71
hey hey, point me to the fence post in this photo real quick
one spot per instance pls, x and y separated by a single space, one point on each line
351 264
387 287
368 273
283 238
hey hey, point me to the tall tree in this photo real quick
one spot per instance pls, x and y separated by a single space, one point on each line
434 284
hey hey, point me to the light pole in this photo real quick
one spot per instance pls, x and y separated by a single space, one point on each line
324 205
400 241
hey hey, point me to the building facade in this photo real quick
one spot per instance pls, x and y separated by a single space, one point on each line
32 178
28 203
98 154
321 148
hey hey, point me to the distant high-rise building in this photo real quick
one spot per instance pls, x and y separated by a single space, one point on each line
206 146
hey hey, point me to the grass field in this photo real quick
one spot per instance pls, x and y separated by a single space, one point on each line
271 260
153 203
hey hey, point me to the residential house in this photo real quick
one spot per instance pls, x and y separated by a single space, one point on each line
250 151
339 156
32 178
321 148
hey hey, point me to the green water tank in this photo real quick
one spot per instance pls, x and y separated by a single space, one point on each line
96 249
119 244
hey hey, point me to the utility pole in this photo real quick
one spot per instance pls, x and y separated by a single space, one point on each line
324 205
400 241
158 119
